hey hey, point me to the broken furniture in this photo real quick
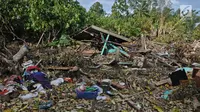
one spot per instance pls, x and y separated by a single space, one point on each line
110 41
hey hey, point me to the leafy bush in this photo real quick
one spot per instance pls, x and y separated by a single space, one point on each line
63 41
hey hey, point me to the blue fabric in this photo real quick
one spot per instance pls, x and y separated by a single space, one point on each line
41 78
166 94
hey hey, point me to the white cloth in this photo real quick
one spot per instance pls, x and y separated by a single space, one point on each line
39 88
57 82
28 96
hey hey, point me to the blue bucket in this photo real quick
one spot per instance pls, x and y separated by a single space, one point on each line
86 94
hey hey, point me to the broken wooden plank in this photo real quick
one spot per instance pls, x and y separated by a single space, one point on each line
143 42
89 52
95 67
165 81
136 69
130 103
110 33
160 59
58 68
118 86
133 105
38 62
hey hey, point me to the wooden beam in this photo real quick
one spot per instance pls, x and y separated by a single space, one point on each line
59 68
110 33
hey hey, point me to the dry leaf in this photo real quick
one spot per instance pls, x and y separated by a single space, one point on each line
159 109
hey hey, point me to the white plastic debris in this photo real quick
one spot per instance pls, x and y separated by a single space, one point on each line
122 83
138 106
100 90
39 88
28 96
10 89
57 82
81 88
106 80
24 88
101 98
196 64
27 64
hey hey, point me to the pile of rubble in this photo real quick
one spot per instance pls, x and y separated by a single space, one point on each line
124 76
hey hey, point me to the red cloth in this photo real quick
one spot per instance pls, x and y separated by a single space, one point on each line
32 68
13 79
4 92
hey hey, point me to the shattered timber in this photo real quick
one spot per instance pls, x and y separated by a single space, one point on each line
103 71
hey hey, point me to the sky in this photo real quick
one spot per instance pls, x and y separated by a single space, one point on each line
107 4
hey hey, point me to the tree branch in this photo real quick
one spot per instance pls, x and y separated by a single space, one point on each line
40 39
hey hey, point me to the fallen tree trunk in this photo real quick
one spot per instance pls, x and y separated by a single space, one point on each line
20 54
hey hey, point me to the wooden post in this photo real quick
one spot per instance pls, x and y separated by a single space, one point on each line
143 42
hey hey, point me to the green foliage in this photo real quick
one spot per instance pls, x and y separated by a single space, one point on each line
120 8
63 41
95 13
13 15
39 16
60 14
54 43
196 33
97 8
132 18
153 18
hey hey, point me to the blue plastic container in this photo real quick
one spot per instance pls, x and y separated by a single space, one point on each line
86 94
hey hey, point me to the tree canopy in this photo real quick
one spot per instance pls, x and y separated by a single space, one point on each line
53 16
132 18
